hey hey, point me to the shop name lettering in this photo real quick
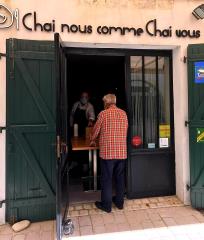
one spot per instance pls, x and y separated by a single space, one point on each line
150 28
31 23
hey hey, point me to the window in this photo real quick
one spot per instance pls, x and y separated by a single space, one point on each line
150 100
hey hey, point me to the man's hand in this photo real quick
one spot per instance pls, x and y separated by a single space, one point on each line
90 123
92 144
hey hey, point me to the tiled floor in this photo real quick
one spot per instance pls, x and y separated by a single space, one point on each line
145 219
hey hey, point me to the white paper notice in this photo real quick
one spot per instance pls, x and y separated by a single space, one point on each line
163 142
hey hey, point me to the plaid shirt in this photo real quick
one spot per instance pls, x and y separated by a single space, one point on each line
111 127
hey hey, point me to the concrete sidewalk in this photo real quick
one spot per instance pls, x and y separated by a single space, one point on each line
150 219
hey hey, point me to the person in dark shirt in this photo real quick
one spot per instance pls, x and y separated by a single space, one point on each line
82 113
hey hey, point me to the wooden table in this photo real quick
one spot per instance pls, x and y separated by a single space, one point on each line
81 144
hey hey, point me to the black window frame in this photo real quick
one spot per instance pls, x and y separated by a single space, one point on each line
156 54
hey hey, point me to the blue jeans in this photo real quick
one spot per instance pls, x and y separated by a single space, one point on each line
109 169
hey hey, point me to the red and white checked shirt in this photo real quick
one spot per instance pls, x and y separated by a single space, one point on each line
111 127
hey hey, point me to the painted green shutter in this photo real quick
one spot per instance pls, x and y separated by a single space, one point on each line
196 123
31 130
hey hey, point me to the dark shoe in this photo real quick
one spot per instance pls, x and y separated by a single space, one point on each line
99 206
119 206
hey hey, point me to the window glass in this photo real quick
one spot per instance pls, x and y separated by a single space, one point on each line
137 96
164 99
150 99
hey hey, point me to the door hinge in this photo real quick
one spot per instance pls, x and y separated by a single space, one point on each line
185 59
2 55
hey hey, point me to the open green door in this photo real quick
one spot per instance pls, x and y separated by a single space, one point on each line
64 225
196 123
31 131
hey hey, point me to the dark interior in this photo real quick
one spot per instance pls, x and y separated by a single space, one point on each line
98 75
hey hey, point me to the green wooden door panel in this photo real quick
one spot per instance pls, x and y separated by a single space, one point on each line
33 89
31 134
196 120
33 162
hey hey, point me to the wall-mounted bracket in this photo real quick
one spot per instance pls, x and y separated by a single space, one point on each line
2 202
2 55
187 123
2 128
188 187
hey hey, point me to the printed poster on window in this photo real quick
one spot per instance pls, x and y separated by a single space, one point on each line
164 131
199 72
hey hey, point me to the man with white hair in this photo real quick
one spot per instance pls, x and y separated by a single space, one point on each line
111 127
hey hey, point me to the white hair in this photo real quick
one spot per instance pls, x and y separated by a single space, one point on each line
109 99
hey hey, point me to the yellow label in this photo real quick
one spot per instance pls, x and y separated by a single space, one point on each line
164 131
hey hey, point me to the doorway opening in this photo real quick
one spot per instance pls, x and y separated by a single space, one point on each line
97 75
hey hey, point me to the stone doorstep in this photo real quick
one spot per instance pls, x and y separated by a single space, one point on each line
84 209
